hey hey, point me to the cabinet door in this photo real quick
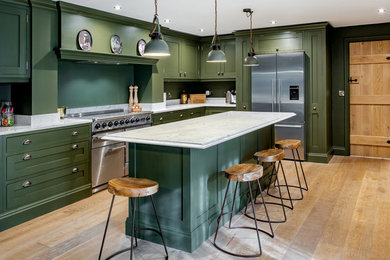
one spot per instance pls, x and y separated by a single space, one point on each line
189 53
13 43
228 69
208 70
2 175
273 42
171 64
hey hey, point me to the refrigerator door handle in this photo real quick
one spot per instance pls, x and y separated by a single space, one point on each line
272 93
292 126
278 97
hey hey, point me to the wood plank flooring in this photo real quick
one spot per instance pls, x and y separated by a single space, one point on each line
344 215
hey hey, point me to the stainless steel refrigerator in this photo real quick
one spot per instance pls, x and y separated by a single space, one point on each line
278 85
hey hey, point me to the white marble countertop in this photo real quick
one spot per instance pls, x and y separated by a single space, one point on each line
201 132
54 124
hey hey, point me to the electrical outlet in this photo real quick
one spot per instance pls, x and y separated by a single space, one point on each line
341 93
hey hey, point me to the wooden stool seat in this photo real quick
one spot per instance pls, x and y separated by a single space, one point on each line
132 187
270 155
288 144
244 172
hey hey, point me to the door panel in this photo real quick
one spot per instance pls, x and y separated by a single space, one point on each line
369 98
290 85
263 84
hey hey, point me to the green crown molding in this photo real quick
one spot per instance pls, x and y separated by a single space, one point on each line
94 57
48 4
311 26
102 15
220 37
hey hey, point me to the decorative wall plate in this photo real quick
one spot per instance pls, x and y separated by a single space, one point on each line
84 39
141 47
116 44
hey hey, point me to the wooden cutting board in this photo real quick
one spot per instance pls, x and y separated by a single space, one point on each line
197 98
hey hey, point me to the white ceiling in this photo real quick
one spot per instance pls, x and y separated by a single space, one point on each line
189 16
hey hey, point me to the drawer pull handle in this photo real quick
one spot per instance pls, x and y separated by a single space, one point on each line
244 107
161 118
75 170
181 115
75 146
26 184
192 113
26 157
388 141
26 142
75 133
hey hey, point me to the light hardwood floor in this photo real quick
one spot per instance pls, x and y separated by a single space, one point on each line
344 215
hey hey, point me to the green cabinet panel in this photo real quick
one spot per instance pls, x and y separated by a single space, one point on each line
216 110
172 116
46 184
219 70
14 43
183 63
281 41
23 143
47 159
2 175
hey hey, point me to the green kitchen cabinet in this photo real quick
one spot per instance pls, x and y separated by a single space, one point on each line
225 70
183 63
2 176
43 171
172 116
216 110
272 42
14 43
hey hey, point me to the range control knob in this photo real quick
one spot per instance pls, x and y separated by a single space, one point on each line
127 121
109 124
137 120
116 123
132 120
122 122
147 118
104 125
97 126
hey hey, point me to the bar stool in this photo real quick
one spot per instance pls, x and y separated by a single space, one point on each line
243 173
273 156
132 188
294 145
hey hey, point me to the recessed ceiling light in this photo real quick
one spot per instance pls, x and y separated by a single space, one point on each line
273 22
381 10
117 7
201 29
167 20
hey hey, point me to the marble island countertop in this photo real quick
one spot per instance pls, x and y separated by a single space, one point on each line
201 132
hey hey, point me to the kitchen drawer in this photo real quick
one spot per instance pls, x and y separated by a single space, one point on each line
47 184
197 112
25 164
45 139
168 117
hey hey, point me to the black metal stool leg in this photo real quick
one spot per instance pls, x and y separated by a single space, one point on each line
254 215
280 165
220 216
234 200
105 230
287 187
135 234
159 227
132 227
296 170
303 173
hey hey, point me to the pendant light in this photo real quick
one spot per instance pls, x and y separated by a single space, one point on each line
156 46
216 54
250 60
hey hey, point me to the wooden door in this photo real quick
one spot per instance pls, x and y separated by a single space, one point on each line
370 98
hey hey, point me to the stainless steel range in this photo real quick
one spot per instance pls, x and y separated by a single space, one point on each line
110 158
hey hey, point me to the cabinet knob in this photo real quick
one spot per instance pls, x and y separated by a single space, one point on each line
185 74
75 146
26 142
181 115
243 107
179 74
314 108
26 157
161 118
26 184
75 170
219 73
75 133
192 113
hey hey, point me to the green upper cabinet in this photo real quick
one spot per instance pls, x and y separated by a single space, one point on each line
286 41
219 70
184 60
2 174
14 43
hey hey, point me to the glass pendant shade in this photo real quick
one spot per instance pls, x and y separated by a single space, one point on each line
251 60
216 54
156 47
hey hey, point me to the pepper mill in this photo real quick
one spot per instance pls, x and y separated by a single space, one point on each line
131 100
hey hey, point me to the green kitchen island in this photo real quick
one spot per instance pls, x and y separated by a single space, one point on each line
188 159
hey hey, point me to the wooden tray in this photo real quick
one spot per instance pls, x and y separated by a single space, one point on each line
197 98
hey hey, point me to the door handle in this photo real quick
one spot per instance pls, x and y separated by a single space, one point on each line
26 157
116 148
291 126
26 184
75 146
278 94
75 170
26 142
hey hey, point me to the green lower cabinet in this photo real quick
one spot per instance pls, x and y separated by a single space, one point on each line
216 110
38 176
192 186
172 116
14 43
